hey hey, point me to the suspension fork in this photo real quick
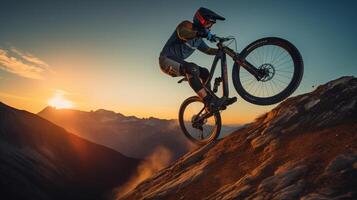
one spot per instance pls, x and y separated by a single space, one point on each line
243 62
250 68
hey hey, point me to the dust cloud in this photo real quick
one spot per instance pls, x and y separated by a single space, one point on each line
159 159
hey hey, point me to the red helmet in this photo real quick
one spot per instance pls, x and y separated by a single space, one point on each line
204 15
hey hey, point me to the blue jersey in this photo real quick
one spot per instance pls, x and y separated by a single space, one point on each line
180 48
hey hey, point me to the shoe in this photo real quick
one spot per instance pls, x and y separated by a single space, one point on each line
230 100
214 104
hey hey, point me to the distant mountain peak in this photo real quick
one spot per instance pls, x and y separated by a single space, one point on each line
48 108
104 111
107 112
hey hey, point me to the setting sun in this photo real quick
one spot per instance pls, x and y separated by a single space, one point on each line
59 101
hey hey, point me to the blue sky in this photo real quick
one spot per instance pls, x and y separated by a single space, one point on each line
104 54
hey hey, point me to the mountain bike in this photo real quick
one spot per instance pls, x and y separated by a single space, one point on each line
264 73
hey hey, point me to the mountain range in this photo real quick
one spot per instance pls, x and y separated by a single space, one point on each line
132 136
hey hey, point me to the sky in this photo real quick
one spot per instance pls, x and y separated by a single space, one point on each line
104 54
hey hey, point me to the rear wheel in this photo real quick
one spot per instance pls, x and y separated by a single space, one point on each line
282 66
197 129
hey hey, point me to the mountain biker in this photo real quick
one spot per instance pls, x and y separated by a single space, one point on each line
187 37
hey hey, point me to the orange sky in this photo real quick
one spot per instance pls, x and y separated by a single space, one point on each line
77 79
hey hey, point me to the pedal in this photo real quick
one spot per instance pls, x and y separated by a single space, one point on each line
230 101
234 99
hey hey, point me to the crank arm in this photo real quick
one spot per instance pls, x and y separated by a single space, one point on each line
204 116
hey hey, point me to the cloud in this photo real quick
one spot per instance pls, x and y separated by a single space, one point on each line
23 64
2 94
12 96
61 92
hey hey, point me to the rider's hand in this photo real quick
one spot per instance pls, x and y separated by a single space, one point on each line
211 37
206 34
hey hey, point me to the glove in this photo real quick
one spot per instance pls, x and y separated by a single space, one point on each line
209 36
206 34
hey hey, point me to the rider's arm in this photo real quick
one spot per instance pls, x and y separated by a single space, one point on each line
185 31
206 49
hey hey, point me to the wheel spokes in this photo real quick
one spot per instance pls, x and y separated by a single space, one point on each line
277 66
198 129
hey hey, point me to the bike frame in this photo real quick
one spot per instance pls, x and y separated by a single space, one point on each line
221 55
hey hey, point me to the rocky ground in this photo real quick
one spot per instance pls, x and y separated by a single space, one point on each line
305 148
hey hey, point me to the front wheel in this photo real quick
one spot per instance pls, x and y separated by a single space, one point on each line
198 129
282 67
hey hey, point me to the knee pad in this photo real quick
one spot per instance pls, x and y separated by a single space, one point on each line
204 73
192 69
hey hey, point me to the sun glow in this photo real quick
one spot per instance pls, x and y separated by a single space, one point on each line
59 101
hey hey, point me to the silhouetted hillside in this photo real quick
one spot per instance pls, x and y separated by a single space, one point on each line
39 160
305 148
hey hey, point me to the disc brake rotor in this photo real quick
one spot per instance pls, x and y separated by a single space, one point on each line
268 72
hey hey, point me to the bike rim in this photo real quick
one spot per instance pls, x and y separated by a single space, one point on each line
278 65
202 130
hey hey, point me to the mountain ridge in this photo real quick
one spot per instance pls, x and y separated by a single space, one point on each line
40 160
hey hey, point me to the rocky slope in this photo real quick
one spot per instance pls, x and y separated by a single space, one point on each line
129 135
305 148
39 160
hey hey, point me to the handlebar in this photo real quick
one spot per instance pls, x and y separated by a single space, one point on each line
218 39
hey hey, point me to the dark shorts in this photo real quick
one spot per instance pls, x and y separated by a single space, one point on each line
170 66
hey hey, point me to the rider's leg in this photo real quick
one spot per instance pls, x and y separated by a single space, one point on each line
194 73
195 76
204 75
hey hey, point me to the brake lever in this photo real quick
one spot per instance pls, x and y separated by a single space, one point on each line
219 39
225 39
